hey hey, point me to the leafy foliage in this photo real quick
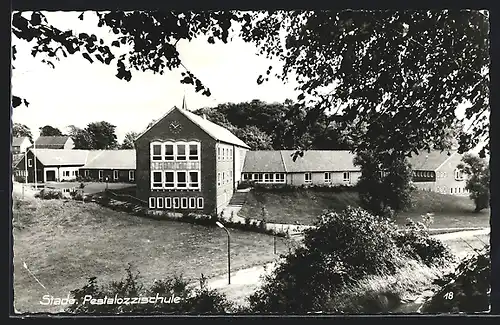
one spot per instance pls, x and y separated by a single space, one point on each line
49 131
200 301
128 141
404 68
478 180
277 126
467 289
96 135
416 242
21 130
342 249
385 183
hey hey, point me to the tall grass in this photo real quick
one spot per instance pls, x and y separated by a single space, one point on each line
384 293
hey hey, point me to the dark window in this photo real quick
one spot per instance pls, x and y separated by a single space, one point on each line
181 152
169 152
193 152
181 179
169 179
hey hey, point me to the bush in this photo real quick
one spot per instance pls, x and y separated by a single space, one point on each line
183 300
416 242
467 289
49 194
343 248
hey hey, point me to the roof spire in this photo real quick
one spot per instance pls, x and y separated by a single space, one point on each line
184 101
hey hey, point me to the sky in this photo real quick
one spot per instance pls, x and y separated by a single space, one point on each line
77 92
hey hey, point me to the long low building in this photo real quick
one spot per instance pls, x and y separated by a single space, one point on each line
56 165
434 171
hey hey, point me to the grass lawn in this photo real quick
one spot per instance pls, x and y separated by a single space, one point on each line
305 205
65 242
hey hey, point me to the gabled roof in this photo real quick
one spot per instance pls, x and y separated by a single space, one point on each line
92 159
52 141
215 131
263 161
17 141
430 161
111 159
311 161
319 161
61 157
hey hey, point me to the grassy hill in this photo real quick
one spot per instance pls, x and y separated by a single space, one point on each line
303 206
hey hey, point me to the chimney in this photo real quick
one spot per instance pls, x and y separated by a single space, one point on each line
204 116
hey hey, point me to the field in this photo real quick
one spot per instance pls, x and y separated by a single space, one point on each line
304 206
65 242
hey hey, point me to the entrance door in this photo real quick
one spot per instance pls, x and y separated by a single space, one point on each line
51 175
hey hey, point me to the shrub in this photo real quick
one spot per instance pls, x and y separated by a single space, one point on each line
49 194
467 289
188 301
342 249
416 242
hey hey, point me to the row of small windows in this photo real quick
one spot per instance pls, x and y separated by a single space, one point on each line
346 177
176 203
458 190
224 178
66 173
175 180
131 174
175 151
265 177
423 174
224 154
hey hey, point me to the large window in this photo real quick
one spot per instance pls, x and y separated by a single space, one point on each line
169 151
246 176
115 174
347 177
307 177
101 175
181 152
267 178
156 151
156 181
30 162
181 180
194 152
328 177
194 180
152 202
131 175
169 179
184 202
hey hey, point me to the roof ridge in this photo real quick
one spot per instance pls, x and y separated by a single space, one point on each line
100 153
283 161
